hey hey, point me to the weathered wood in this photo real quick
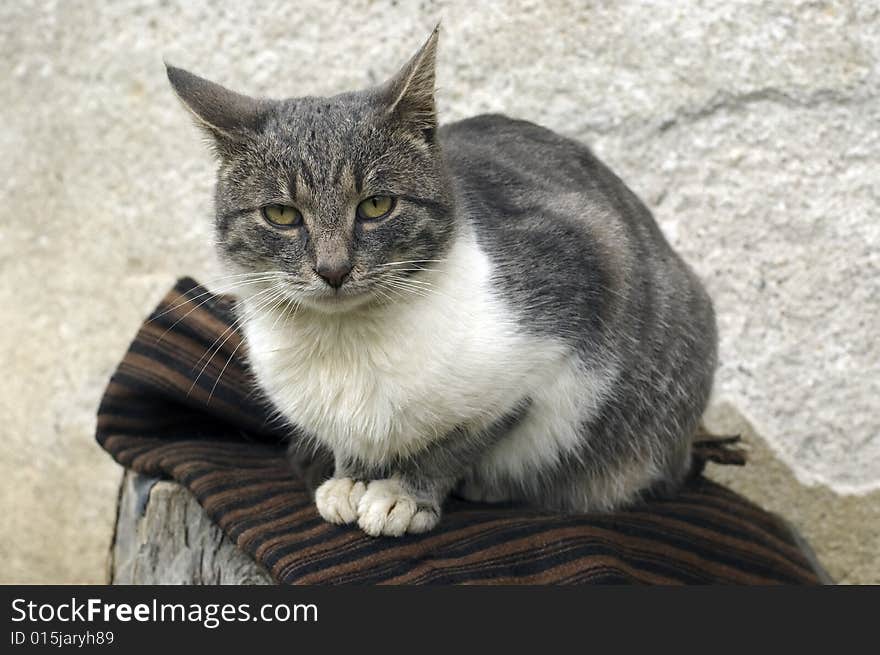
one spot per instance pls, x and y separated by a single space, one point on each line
163 536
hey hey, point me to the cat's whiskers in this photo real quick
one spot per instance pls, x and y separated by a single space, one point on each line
413 270
386 285
209 296
287 314
414 261
292 304
415 288
274 292
408 290
247 278
233 329
395 296
268 291
404 284
235 276
223 370
423 288
382 292
413 280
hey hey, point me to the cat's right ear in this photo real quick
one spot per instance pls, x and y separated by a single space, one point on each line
225 115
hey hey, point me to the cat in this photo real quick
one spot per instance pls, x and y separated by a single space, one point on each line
482 308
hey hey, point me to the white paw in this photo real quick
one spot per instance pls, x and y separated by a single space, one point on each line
386 509
337 500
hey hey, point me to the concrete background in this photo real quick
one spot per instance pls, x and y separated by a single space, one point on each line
752 129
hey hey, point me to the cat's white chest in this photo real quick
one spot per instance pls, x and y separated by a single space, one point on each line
387 383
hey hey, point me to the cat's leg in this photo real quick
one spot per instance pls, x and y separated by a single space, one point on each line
337 499
385 506
402 504
411 499
481 490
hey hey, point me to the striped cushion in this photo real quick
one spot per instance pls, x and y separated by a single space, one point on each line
183 404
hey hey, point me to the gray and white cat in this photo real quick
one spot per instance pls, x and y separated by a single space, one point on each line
482 307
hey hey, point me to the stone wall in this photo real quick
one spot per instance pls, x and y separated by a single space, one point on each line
752 129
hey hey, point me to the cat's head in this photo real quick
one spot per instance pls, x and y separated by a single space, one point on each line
336 200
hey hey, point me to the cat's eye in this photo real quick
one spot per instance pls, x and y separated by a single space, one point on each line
375 207
281 215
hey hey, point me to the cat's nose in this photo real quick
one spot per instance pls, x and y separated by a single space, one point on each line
334 274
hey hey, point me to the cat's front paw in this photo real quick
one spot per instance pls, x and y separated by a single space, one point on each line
387 509
337 500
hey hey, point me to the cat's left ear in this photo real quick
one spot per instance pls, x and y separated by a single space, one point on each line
409 95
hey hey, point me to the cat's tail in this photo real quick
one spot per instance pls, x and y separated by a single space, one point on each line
720 449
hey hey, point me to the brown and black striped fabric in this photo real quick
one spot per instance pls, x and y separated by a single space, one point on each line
183 405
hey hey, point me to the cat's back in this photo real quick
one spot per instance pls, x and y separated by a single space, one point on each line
522 173
506 150
572 246
564 232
